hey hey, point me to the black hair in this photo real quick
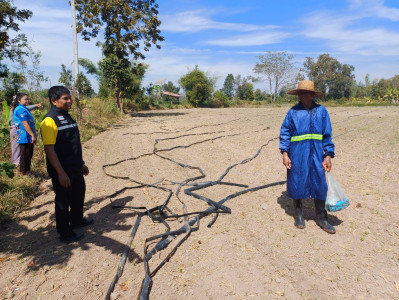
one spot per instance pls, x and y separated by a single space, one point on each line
17 98
55 92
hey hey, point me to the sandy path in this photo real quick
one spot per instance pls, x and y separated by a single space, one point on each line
253 253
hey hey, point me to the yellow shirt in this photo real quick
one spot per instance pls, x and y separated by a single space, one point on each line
49 131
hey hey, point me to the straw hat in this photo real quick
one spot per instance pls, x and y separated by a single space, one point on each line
307 86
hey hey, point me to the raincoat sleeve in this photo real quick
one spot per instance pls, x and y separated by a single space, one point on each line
285 134
328 145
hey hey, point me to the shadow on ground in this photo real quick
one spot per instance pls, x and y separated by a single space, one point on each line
41 243
308 209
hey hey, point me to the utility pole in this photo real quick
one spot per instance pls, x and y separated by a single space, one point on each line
75 58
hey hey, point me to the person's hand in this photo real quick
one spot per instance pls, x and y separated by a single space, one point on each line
85 170
34 139
39 105
64 180
327 164
286 160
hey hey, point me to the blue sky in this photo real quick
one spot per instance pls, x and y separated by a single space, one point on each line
225 36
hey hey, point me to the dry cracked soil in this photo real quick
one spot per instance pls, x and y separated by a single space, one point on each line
253 252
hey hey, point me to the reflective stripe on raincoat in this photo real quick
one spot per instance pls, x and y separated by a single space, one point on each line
306 136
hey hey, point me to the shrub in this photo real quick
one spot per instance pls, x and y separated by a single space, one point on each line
220 99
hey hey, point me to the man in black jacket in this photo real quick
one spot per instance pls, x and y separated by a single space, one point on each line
65 165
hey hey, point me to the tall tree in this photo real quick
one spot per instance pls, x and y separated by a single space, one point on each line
228 86
11 46
331 77
127 25
277 68
198 86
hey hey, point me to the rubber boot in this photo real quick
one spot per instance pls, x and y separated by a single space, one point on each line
299 221
321 216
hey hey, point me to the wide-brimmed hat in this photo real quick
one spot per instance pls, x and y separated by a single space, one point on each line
307 86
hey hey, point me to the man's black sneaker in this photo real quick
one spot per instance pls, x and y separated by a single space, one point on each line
84 222
72 237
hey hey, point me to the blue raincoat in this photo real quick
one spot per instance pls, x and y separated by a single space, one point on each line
306 136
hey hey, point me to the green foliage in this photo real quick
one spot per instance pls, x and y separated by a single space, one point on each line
82 84
229 86
198 87
121 77
331 77
4 134
219 99
6 111
245 91
12 45
127 25
7 169
260 95
66 77
170 87
38 115
89 66
392 94
12 84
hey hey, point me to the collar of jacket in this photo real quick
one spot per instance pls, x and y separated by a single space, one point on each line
59 110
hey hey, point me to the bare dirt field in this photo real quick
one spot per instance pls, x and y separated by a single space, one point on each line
254 252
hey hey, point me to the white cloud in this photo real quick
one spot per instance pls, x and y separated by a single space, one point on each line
252 39
348 34
375 8
199 20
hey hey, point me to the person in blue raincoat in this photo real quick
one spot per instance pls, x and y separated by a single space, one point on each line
307 148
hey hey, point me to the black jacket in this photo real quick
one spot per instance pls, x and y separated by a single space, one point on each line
67 146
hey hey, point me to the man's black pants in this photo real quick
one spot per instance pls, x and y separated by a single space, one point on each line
69 202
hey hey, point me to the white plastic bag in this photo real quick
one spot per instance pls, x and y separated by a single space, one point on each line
336 197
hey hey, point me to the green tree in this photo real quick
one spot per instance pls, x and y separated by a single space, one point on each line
66 77
198 86
12 84
277 68
245 90
331 77
82 84
220 99
260 95
12 45
170 87
127 25
228 86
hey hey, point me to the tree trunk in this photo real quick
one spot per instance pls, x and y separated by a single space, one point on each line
270 88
